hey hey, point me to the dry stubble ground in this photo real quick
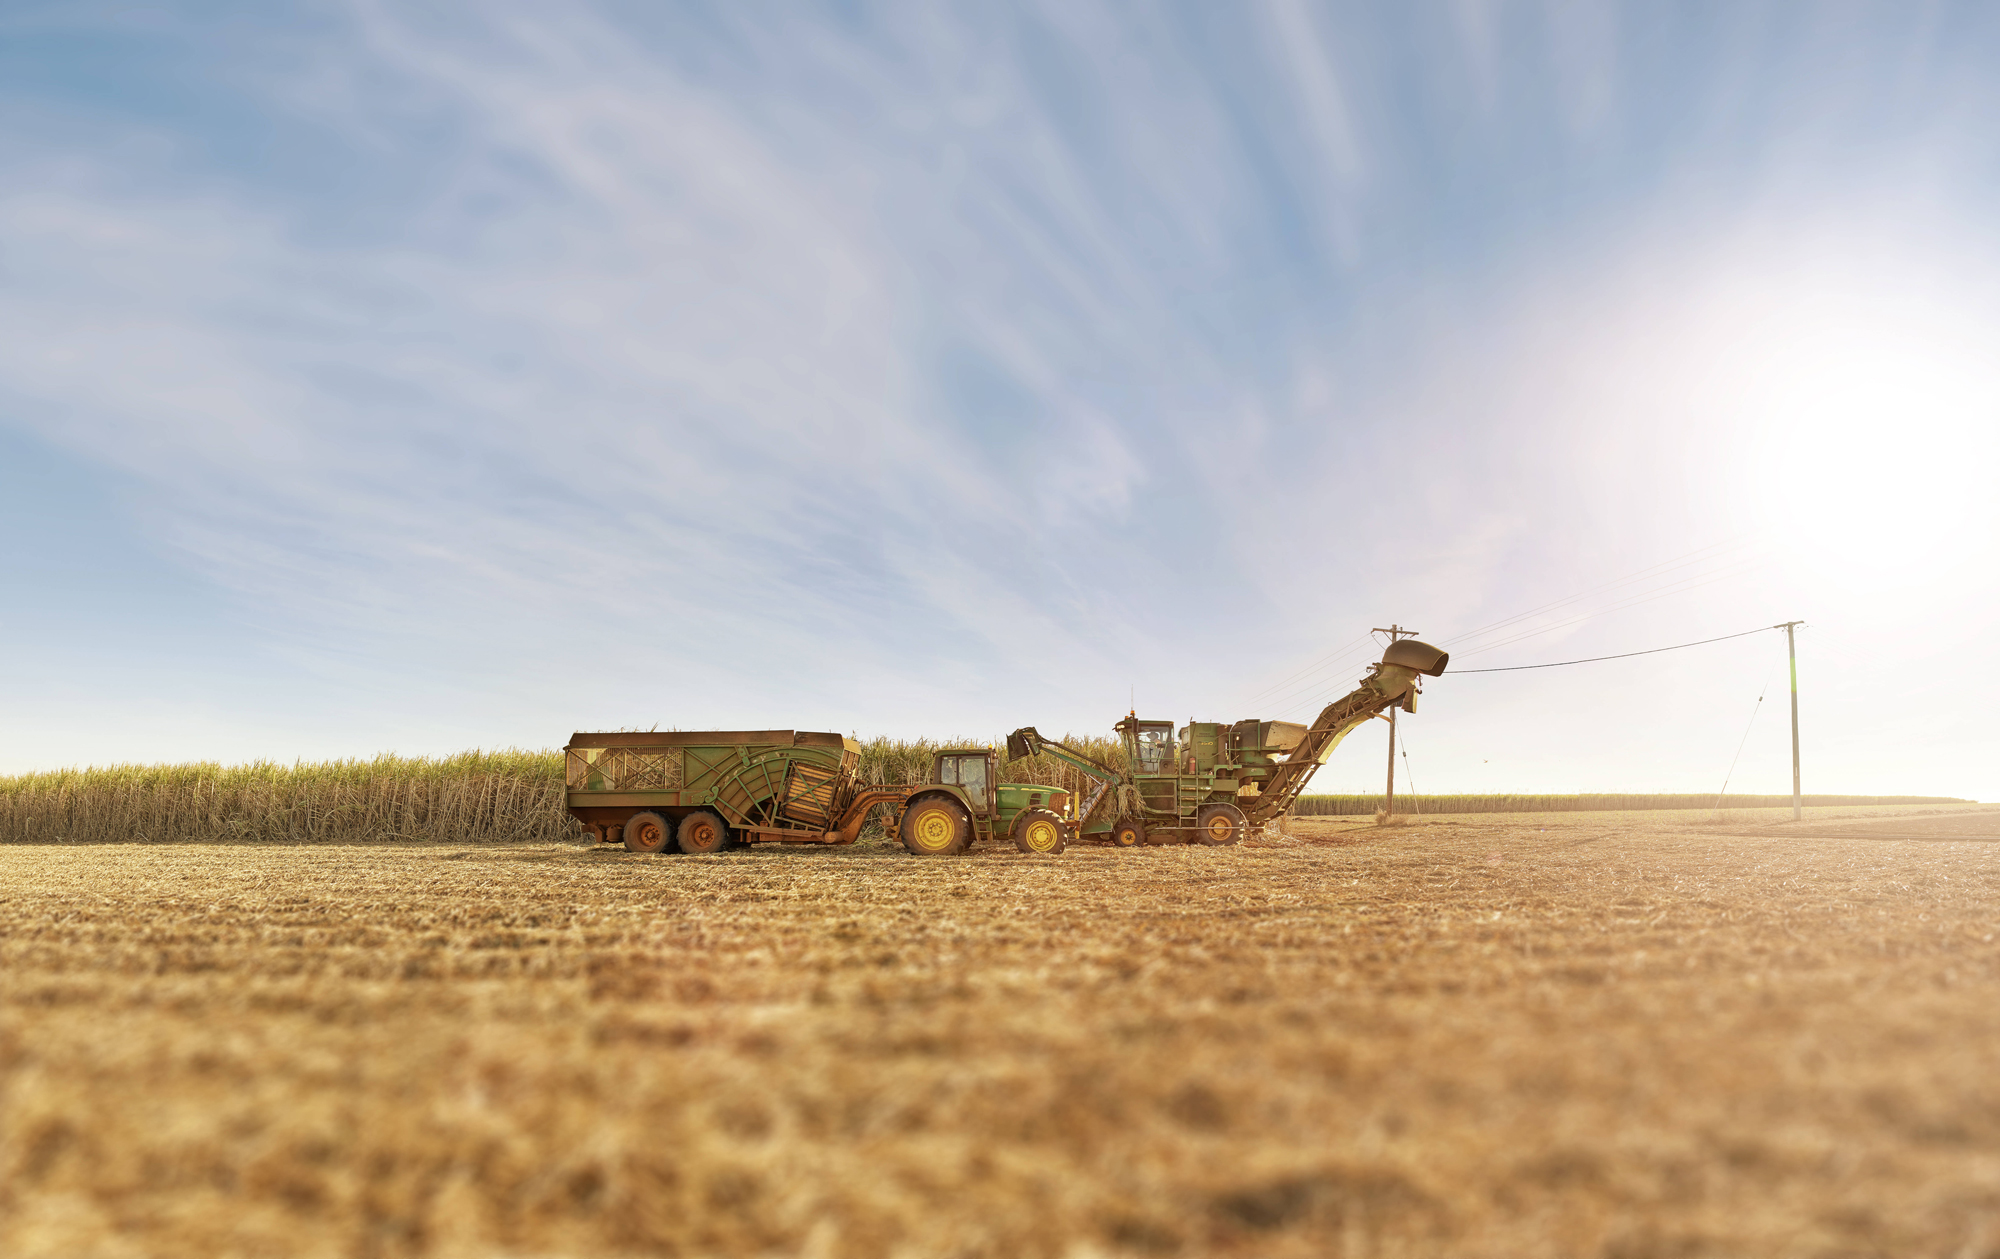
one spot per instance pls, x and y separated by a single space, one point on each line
1532 1036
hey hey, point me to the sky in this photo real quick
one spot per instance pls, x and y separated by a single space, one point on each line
427 377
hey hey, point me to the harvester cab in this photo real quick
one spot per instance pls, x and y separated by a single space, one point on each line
1149 745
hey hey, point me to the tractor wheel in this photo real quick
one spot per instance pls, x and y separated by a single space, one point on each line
1039 831
1218 825
645 832
1129 833
935 827
702 832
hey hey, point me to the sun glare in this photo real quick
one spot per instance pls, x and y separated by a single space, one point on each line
1871 425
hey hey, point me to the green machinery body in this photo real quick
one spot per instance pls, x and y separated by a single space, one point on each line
763 784
733 787
965 802
1210 782
707 790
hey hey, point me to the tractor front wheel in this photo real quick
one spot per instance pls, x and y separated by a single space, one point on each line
702 832
936 827
1218 825
645 832
1039 831
1129 833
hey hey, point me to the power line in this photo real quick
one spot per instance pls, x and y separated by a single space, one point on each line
1394 632
1342 651
1758 707
1623 655
1415 797
1316 693
1792 651
1692 558
1681 586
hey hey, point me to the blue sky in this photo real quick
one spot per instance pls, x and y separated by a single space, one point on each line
400 377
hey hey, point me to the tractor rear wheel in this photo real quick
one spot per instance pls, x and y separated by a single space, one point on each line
702 832
1039 831
935 827
645 832
1129 833
1218 825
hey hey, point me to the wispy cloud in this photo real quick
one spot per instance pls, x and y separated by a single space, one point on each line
634 364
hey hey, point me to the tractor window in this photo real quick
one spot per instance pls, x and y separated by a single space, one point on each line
1156 748
968 772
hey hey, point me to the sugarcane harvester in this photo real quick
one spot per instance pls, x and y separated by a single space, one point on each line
1214 782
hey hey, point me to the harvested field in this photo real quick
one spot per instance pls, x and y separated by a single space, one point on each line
1520 1035
1591 802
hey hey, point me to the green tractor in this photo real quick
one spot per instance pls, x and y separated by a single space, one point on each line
965 802
1214 782
1176 790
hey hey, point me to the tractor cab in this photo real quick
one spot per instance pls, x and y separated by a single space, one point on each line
974 772
1149 746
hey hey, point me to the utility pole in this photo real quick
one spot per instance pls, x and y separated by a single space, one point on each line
1395 632
1792 650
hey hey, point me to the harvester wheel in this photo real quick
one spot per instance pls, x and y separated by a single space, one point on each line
1129 833
935 827
702 832
1039 831
645 832
1220 824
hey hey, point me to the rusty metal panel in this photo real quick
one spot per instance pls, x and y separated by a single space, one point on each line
763 780
622 769
584 801
808 793
682 738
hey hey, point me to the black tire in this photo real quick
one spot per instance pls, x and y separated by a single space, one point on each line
935 827
646 832
1041 832
1219 825
702 832
1128 833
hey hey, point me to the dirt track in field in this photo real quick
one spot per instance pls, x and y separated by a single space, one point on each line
1540 1035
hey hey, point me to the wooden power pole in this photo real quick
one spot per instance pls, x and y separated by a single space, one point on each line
1792 651
1389 792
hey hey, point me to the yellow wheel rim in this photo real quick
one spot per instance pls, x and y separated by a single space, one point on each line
933 831
1219 827
1043 836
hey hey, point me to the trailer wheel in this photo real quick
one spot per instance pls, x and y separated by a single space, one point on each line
702 832
1129 833
936 827
1039 831
1218 825
645 832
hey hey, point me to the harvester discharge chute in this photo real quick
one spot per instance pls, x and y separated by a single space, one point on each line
1390 684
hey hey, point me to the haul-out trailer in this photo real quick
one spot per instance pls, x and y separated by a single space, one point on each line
1214 782
704 791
